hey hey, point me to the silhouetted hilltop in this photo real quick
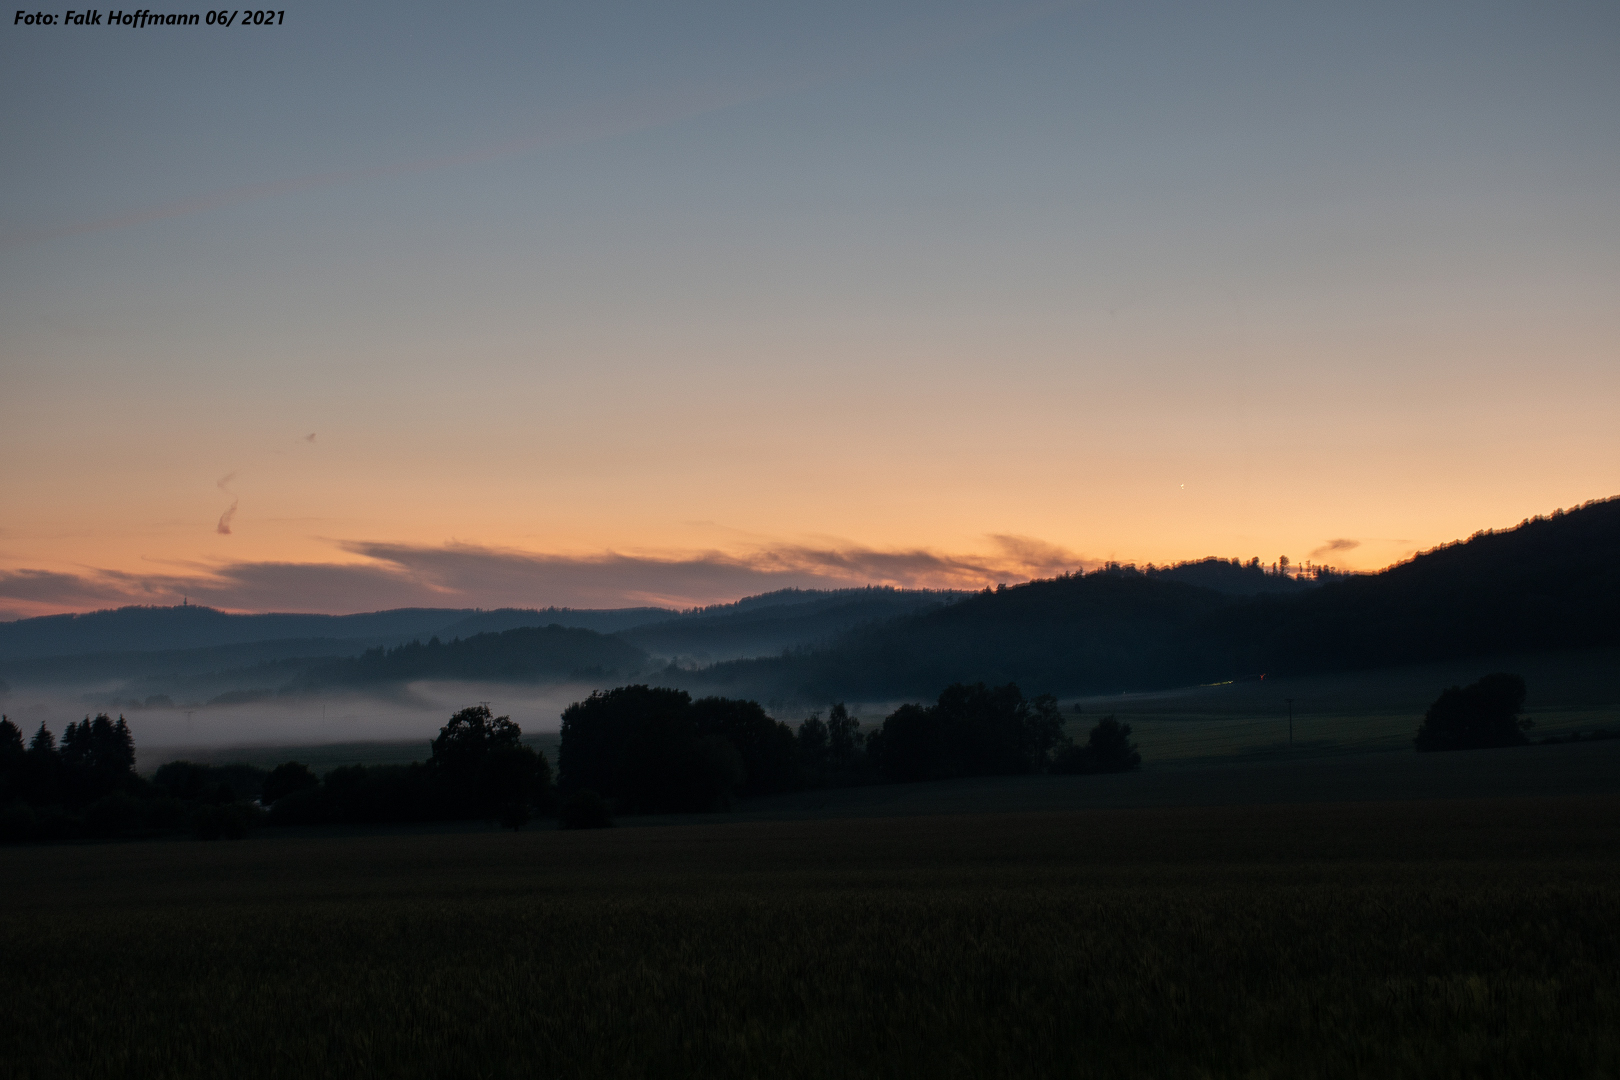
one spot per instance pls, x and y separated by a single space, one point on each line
1551 583
1236 578
785 598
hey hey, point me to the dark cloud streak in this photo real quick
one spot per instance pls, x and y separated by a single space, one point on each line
465 575
1336 545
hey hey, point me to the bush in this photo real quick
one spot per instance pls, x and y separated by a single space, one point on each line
226 821
53 825
1480 716
116 814
16 824
584 810
191 782
311 806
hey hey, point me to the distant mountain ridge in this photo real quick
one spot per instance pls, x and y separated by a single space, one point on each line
1550 583
166 629
146 629
767 623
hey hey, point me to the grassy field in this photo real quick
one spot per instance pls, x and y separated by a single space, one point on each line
1436 939
1354 712
321 756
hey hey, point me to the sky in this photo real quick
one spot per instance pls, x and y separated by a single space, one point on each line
608 304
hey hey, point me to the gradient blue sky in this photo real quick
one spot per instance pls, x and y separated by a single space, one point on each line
629 303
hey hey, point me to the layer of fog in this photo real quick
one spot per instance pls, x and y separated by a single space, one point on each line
415 713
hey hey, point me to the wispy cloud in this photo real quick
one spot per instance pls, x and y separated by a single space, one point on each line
467 575
224 526
1336 545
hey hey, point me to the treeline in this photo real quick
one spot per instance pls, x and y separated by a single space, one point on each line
479 769
635 749
87 787
1239 578
644 749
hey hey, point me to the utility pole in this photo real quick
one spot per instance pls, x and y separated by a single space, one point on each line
1290 723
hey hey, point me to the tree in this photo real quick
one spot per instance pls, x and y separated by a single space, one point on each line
972 730
43 769
483 769
598 734
843 738
1108 749
905 748
13 762
285 779
655 750
766 746
810 745
583 809
97 757
1479 716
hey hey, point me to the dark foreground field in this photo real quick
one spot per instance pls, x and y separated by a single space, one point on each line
1445 938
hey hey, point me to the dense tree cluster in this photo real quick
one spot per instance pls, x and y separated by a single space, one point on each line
655 750
831 752
94 759
1480 716
479 769
85 787
970 731
643 749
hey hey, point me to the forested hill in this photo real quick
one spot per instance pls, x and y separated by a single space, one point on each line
1550 583
524 654
1113 628
797 618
